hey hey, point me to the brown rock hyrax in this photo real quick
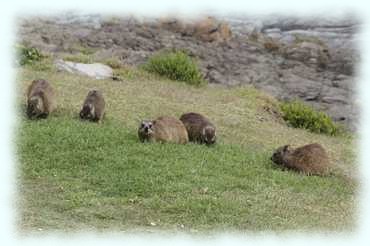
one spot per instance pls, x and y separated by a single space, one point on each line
93 108
164 129
310 159
199 128
40 99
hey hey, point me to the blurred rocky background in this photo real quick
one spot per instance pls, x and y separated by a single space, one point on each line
312 59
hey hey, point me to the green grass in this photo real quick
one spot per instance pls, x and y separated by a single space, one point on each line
175 65
77 175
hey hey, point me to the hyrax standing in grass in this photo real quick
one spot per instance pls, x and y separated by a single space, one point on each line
310 159
199 128
40 99
164 129
93 108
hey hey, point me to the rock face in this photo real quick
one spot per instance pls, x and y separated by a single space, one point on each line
311 59
95 70
207 29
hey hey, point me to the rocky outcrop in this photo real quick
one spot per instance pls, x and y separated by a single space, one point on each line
207 29
339 34
314 61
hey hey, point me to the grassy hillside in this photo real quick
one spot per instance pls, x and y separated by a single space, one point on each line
77 175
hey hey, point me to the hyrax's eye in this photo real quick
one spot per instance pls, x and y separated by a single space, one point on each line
150 125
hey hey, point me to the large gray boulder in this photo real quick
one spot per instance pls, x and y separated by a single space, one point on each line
94 70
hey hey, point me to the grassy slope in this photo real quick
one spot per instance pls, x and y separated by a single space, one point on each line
76 175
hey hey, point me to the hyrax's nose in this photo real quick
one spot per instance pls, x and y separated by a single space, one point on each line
146 129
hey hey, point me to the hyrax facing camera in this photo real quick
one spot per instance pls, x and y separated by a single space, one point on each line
164 129
40 99
93 108
310 159
199 128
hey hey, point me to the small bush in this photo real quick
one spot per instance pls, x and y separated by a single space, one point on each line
27 55
299 115
175 65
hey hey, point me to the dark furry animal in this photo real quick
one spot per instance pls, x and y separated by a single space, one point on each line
93 108
40 99
164 129
310 159
199 128
145 131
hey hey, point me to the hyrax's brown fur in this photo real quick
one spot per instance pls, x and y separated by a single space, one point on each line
93 108
164 129
199 128
41 99
310 159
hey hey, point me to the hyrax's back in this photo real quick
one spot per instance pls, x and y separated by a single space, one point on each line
311 159
43 89
194 123
96 98
169 129
93 107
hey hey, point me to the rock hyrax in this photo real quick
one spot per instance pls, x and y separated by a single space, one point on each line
310 159
40 99
93 108
164 129
199 128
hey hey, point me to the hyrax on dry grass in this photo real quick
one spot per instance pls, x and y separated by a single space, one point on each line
93 108
200 129
41 99
310 159
164 129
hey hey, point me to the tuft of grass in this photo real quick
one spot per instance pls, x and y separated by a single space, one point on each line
300 115
175 65
113 63
79 58
27 55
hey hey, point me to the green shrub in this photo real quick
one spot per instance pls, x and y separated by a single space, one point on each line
299 115
27 55
176 65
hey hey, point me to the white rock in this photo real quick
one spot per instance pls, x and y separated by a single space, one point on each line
94 70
